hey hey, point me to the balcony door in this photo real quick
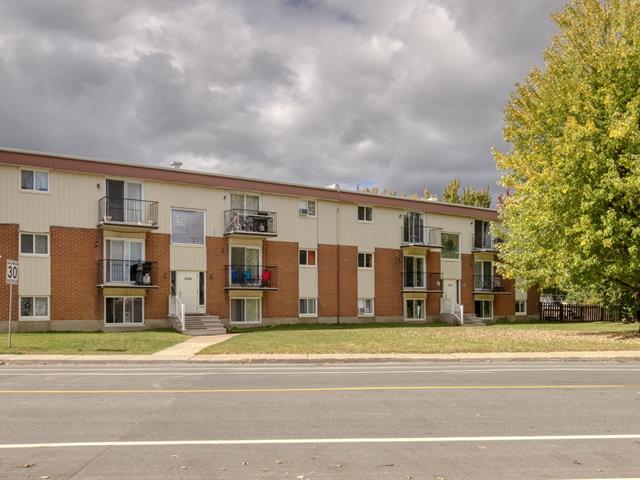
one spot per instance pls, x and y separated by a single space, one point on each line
413 227
483 272
414 272
240 201
245 266
124 201
121 255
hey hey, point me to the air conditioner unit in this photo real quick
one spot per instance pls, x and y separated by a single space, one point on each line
303 211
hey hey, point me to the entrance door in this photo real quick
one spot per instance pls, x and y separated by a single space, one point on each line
188 290
451 291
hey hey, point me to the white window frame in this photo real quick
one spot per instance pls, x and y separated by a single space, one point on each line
459 247
204 225
303 204
424 271
365 313
33 317
308 300
259 321
364 220
120 325
524 305
33 190
244 200
365 254
34 254
307 257
424 309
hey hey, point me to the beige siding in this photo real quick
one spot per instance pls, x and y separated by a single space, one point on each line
188 258
451 269
461 225
366 283
35 276
291 226
308 282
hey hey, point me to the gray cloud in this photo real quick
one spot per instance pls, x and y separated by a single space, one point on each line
404 94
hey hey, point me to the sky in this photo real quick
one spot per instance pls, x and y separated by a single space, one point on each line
397 94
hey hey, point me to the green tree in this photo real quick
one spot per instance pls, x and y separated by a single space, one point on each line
451 191
573 217
476 197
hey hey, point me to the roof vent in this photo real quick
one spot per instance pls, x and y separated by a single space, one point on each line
176 164
432 198
333 186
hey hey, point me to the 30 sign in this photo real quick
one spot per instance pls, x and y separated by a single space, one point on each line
12 272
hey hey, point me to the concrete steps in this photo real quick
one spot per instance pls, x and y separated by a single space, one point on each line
200 324
472 320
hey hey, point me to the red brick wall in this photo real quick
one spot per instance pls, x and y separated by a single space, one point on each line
348 294
327 280
433 298
533 301
388 278
74 274
284 301
466 283
157 249
217 259
8 251
505 304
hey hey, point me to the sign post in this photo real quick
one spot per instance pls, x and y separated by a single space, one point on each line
12 279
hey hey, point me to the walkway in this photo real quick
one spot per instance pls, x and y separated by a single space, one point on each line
189 348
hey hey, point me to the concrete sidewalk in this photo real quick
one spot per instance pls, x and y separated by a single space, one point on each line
187 355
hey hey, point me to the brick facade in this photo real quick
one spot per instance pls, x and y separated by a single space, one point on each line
327 280
388 286
157 249
74 274
504 304
337 281
466 283
283 302
217 259
348 280
533 302
433 298
8 251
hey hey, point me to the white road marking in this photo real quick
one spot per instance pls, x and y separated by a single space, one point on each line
320 441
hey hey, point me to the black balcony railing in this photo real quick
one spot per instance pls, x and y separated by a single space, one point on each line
115 210
417 280
422 236
489 284
127 272
251 276
484 243
255 222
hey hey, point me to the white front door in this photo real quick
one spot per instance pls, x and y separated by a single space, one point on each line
450 290
187 289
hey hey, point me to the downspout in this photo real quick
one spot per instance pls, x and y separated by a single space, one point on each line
338 256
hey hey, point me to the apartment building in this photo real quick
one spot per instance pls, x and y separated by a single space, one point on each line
106 245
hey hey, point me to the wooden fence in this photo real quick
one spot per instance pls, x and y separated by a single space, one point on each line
564 312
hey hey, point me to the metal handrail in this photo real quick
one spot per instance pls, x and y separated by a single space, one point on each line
488 283
128 272
178 310
127 210
251 276
422 235
452 307
250 221
484 242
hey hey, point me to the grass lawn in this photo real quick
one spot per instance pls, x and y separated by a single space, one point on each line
74 343
432 338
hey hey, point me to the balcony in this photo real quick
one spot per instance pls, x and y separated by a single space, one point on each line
127 214
421 281
489 284
484 243
250 222
251 277
127 273
421 237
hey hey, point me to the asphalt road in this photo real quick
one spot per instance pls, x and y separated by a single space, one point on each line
370 421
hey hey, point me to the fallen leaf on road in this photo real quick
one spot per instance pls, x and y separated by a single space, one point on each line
28 465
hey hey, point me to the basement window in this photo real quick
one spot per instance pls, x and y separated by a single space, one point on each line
124 310
308 307
34 308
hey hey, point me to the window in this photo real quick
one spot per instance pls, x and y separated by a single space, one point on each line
201 287
308 307
365 214
173 283
308 258
414 272
365 260
187 227
34 307
34 180
240 201
34 244
484 308
451 246
124 202
307 208
245 310
120 257
521 307
123 310
414 309
365 307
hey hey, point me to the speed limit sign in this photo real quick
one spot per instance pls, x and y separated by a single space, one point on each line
12 272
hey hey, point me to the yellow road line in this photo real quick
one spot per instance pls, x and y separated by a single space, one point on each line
324 389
